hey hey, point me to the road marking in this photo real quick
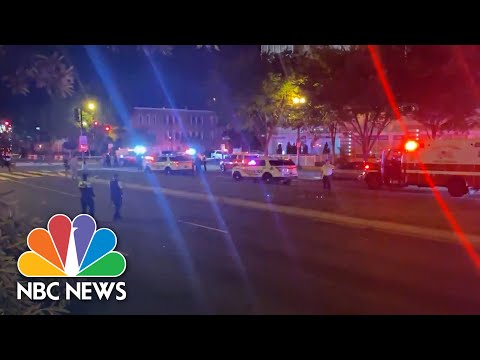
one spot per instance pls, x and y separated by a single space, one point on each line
14 176
432 234
41 173
203 226
436 235
45 188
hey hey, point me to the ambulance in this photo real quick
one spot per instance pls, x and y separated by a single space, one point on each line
450 163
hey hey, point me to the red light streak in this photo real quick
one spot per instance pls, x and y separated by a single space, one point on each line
443 206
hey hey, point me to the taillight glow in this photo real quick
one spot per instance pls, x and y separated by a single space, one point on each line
367 167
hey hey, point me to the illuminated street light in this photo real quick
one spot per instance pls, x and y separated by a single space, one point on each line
91 105
297 100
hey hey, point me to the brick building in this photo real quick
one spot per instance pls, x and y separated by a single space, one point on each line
176 129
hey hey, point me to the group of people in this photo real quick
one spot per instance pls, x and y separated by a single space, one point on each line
111 159
87 196
200 161
292 149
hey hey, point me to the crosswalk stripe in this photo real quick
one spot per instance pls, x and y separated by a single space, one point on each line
30 174
42 173
14 176
27 174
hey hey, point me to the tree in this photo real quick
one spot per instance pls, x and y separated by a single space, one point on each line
24 69
353 92
271 106
442 82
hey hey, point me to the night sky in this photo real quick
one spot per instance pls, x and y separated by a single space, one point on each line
183 73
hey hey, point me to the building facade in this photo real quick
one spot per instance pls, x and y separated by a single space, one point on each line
178 129
278 49
393 137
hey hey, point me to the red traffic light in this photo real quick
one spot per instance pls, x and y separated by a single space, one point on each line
95 123
107 128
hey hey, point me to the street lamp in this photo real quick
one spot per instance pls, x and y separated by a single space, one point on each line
298 101
90 106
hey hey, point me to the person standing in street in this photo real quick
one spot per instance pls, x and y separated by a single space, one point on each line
74 167
327 172
198 163
204 162
86 195
326 152
116 195
7 160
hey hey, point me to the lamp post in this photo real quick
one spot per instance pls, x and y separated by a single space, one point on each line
298 101
90 106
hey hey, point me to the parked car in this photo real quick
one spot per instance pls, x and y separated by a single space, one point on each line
219 154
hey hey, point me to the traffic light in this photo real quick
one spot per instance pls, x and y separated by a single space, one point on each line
78 114
95 123
107 128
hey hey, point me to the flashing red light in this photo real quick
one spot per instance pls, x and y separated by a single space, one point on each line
7 123
411 145
367 167
149 158
107 128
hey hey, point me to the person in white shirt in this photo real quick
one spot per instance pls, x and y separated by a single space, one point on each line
74 167
327 171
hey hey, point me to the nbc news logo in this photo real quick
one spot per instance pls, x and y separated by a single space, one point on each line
72 249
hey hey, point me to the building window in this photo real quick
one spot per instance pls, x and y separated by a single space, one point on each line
212 120
201 120
165 120
192 119
148 119
140 120
154 120
201 135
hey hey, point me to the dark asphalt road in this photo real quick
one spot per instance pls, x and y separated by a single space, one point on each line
191 257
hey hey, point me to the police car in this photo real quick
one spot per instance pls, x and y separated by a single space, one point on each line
168 163
267 169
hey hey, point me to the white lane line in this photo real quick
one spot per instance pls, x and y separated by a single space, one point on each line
203 226
45 188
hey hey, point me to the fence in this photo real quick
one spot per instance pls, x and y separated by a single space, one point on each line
305 160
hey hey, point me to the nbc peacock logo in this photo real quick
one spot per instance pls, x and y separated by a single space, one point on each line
71 248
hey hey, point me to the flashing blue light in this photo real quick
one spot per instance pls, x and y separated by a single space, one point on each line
140 150
191 151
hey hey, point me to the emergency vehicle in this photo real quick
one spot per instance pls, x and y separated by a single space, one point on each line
450 163
230 161
168 163
267 169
